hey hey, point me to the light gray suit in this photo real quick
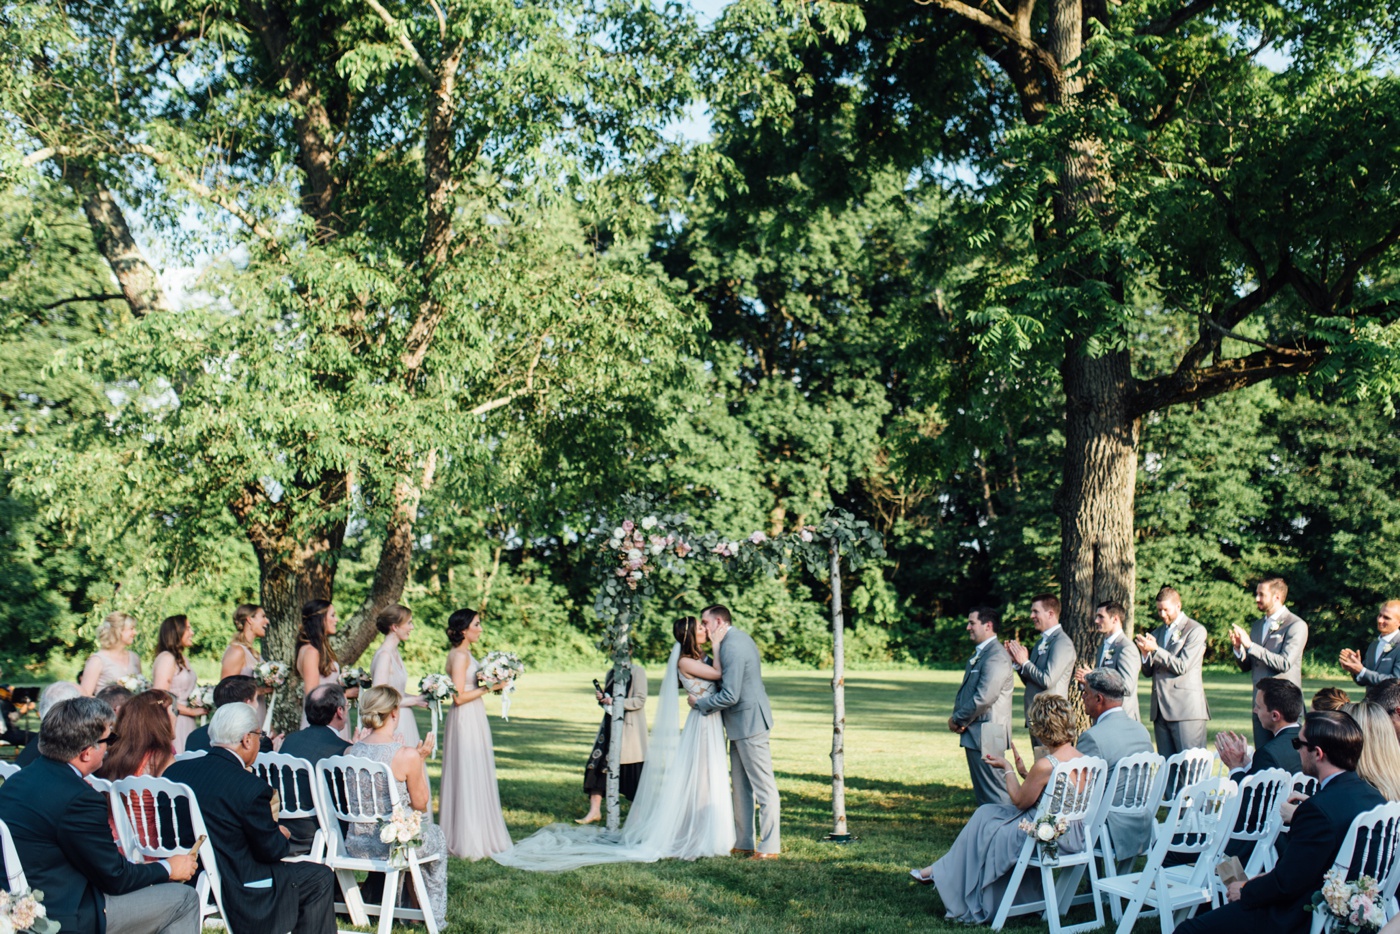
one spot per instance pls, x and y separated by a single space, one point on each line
1179 707
1378 666
1276 654
1124 658
1049 668
743 703
1112 738
983 706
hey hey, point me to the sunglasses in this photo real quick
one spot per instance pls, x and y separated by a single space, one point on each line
108 740
1300 743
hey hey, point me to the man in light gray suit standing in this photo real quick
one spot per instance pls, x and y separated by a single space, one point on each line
1381 661
743 703
1172 655
1050 665
1113 737
1117 653
1273 648
982 710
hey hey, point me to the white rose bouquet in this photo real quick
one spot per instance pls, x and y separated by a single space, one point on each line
501 666
1046 831
436 688
202 698
1358 906
24 911
136 684
402 832
270 674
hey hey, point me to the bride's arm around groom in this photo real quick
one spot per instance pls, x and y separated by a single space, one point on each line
743 704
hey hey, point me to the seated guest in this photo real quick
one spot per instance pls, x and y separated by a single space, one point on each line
59 825
261 893
1387 695
1278 705
973 875
1330 745
325 712
1380 753
48 698
235 689
114 695
1330 699
146 745
1115 736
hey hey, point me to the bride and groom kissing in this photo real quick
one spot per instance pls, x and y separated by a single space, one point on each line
686 806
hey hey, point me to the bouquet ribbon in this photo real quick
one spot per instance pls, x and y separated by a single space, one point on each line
435 707
271 706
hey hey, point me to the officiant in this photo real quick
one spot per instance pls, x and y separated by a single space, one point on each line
634 743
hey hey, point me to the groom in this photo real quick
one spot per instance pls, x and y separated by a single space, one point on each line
747 720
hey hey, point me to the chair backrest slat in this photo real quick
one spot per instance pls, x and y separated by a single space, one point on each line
13 870
1184 769
292 778
1371 847
1260 797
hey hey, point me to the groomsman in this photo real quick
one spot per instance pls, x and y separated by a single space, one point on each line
1172 655
1381 660
1273 648
1116 654
982 709
1050 666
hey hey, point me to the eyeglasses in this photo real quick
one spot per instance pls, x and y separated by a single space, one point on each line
1300 743
107 740
258 733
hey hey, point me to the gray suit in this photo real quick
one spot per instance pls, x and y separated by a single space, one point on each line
1275 654
1124 658
743 703
1112 738
1379 667
983 706
1049 668
1179 708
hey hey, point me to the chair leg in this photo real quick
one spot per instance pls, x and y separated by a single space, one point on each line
393 880
1052 901
354 903
1004 909
420 889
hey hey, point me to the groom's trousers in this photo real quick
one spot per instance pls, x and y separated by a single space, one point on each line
751 771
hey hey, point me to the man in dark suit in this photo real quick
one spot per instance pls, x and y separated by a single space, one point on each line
49 698
982 709
1273 648
1387 694
1278 704
235 689
1330 746
261 894
64 843
1381 660
326 714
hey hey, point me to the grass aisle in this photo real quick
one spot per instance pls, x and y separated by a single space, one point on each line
907 796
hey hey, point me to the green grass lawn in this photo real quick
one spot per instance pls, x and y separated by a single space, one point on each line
907 795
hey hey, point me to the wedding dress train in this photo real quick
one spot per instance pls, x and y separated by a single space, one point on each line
683 808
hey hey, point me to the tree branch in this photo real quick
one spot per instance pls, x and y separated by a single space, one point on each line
402 35
104 297
1182 16
1197 385
1214 327
1003 29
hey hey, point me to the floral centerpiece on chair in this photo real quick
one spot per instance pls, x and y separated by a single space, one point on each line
23 911
1357 906
1046 830
501 666
402 832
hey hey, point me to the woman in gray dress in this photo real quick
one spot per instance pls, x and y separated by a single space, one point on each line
972 876
379 712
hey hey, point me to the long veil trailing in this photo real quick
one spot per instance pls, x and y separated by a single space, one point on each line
673 813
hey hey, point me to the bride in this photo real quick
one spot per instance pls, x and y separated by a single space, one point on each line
683 808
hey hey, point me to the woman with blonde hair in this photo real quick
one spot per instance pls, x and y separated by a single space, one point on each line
380 710
114 658
1380 751
387 667
972 876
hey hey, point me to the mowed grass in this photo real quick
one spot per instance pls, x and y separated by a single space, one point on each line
907 795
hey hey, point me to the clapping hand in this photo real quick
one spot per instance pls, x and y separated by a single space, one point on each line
997 762
425 748
1239 638
1146 643
1350 660
1232 748
1017 651
1080 672
277 741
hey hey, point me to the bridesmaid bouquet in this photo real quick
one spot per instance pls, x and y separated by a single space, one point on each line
24 911
136 684
402 832
202 698
355 678
270 674
436 688
501 666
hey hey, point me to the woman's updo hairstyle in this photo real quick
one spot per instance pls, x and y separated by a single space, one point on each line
458 624
1052 720
687 633
377 704
394 616
109 631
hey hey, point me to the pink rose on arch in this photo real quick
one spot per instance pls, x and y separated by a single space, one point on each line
758 538
627 525
682 549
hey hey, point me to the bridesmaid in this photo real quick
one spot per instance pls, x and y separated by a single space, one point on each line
396 623
114 658
242 657
471 803
315 659
171 672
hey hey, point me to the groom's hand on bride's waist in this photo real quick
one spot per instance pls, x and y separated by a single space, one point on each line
690 699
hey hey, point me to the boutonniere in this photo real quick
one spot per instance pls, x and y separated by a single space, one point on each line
1273 626
1040 649
1385 649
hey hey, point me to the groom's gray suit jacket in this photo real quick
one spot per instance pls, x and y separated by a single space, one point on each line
741 699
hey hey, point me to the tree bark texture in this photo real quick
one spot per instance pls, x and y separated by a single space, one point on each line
139 283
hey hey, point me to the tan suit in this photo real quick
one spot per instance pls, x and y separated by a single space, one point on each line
634 718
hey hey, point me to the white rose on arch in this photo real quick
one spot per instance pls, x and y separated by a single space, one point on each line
649 522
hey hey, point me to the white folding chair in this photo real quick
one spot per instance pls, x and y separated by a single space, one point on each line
154 808
189 754
1195 827
1369 849
1184 769
1073 792
7 770
350 793
1257 824
13 870
294 780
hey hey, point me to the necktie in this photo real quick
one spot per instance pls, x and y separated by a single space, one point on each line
1103 653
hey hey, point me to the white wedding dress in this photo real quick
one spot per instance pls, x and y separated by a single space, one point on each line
683 808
